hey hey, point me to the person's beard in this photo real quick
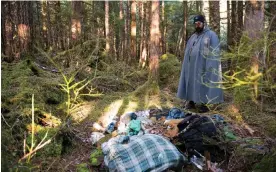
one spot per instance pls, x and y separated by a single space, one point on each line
198 29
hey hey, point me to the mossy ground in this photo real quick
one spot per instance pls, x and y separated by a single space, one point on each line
123 87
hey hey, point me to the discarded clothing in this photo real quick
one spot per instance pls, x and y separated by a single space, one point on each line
144 114
95 137
144 153
218 118
125 120
195 132
133 116
123 139
175 113
134 127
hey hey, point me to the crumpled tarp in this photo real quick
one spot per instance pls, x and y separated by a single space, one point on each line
142 153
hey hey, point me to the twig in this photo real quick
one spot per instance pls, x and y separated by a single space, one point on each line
36 149
51 164
5 120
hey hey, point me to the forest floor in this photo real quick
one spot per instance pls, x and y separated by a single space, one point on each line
124 89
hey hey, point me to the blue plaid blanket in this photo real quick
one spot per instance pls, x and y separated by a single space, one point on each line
148 152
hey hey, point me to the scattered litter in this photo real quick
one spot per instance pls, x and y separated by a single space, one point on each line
98 127
143 137
198 162
110 127
96 136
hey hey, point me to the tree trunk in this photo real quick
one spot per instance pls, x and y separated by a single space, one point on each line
144 49
240 20
4 19
59 32
44 25
112 35
122 32
198 6
229 43
141 32
271 61
254 24
163 43
214 16
127 35
206 10
107 40
184 35
148 22
272 19
234 22
133 31
76 21
154 42
31 25
23 28
49 25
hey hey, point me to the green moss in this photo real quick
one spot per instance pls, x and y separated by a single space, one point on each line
169 71
244 159
124 105
267 163
82 167
95 157
241 94
21 80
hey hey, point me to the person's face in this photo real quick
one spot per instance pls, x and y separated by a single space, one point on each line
198 26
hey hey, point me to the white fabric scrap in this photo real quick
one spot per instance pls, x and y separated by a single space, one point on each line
96 136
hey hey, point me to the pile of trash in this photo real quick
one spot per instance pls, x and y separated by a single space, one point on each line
156 140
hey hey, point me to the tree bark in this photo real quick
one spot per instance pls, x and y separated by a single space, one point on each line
76 21
254 24
59 32
107 39
144 49
49 25
23 28
148 22
127 35
163 44
31 25
133 31
198 7
234 22
154 42
3 26
214 16
240 20
184 35
122 33
44 25
141 7
272 49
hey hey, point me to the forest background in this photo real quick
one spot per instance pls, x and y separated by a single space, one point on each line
75 61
